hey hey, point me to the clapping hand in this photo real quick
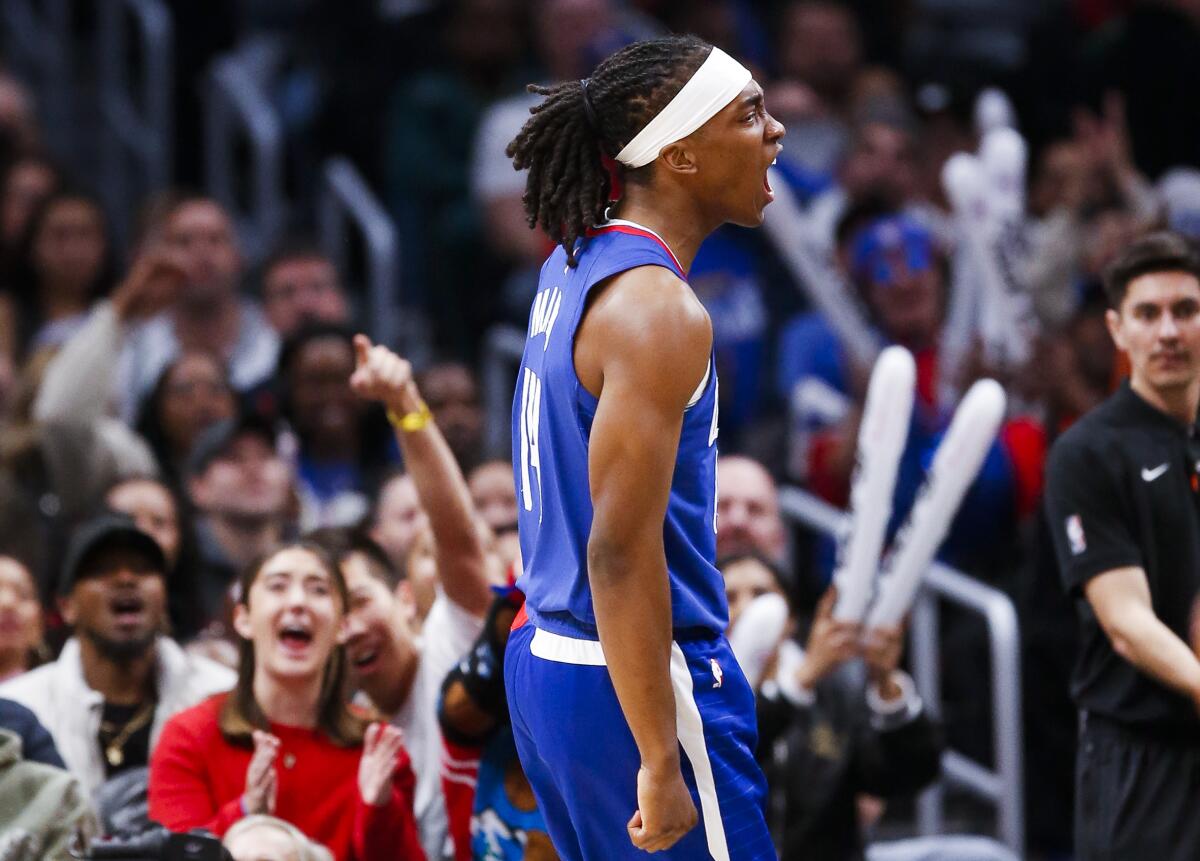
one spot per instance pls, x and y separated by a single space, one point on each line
378 763
261 781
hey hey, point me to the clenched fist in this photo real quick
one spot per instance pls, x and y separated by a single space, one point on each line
665 812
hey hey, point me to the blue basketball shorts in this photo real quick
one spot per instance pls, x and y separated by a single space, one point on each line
580 757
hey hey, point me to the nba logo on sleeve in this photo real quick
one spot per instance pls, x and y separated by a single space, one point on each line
1075 536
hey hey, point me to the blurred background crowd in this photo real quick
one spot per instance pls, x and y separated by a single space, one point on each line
201 203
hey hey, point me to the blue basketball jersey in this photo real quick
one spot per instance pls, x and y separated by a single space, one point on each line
552 420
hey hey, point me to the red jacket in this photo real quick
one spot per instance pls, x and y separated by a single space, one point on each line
197 779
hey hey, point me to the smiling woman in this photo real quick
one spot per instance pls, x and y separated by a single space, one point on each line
291 663
285 741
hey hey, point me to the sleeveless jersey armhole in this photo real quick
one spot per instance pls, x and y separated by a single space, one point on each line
585 401
700 389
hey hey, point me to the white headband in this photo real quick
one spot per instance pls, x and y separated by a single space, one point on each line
718 80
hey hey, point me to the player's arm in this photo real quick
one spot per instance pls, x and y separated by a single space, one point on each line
1121 600
383 376
645 346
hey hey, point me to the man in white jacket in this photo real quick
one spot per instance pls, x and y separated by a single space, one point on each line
119 679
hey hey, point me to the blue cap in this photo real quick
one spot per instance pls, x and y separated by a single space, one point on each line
889 244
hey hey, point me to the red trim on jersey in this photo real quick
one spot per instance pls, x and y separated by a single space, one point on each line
637 231
520 619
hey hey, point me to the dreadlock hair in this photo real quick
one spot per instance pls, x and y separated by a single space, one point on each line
572 135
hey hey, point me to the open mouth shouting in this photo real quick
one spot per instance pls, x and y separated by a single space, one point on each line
295 638
129 610
767 181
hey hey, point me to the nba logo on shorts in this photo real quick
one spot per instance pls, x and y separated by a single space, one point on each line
1075 535
716 671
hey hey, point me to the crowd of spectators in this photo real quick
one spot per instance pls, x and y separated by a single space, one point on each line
236 594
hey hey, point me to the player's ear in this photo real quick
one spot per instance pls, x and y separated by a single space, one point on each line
679 158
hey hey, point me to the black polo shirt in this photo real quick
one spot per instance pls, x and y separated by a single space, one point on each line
1121 491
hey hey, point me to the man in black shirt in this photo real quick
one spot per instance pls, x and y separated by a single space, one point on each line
1123 501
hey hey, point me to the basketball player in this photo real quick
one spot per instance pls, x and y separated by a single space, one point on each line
631 717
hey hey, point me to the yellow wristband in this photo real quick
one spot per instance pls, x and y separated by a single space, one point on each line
411 422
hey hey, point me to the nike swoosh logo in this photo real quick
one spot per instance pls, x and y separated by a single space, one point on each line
1151 474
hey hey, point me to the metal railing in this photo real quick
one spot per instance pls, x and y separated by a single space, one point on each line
1002 786
347 201
502 350
137 117
38 47
235 109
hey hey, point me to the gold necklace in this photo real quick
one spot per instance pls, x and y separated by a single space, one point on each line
114 750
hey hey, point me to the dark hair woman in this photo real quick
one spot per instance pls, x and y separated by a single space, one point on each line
285 741
63 263
192 394
344 442
24 183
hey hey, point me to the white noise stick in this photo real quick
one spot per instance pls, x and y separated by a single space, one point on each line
756 636
881 437
967 189
955 465
1004 156
994 110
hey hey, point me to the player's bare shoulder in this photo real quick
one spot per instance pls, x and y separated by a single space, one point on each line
645 322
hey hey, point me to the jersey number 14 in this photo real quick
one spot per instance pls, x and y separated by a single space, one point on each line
531 410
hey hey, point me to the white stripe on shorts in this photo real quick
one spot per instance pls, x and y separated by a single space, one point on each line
688 724
690 729
566 650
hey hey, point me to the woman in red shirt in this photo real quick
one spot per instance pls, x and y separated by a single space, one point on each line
285 741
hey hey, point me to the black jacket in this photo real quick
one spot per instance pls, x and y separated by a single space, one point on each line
819 757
